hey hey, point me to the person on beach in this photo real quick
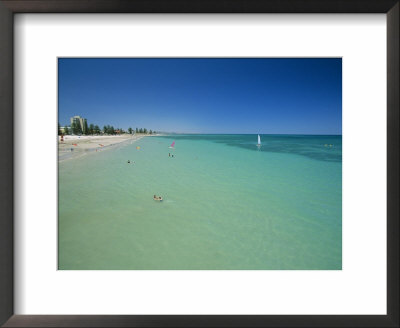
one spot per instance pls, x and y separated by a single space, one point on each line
169 154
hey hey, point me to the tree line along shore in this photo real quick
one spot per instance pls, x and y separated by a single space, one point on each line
77 129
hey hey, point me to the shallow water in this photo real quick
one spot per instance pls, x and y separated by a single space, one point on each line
227 204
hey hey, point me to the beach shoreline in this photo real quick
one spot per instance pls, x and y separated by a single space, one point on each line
77 146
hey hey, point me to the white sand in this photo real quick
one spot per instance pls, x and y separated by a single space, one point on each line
74 146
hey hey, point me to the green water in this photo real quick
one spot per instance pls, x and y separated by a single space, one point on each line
227 205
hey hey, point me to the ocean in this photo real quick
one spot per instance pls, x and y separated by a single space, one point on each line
227 204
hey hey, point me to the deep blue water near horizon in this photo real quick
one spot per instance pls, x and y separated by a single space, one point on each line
300 144
227 204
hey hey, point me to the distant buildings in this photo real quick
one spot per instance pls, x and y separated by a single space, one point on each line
82 122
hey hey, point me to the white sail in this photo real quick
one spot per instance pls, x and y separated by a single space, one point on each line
259 141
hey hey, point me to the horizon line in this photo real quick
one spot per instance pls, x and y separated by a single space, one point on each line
255 133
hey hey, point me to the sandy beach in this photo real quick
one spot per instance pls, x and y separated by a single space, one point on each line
75 146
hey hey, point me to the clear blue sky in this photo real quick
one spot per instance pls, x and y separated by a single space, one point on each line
251 95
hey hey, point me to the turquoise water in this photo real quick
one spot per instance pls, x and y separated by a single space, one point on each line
227 204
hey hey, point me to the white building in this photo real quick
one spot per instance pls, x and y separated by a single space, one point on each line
79 120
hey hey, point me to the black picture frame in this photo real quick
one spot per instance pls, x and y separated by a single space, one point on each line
10 7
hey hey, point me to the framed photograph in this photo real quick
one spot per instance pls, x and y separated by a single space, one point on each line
189 214
199 164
